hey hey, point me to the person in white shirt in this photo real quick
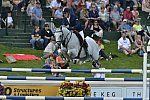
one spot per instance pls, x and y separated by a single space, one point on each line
55 4
124 45
9 20
50 49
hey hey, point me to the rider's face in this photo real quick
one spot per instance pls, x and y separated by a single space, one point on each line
66 14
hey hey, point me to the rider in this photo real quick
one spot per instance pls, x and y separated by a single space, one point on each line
72 23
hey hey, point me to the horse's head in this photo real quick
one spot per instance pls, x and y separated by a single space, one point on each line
61 35
64 30
59 38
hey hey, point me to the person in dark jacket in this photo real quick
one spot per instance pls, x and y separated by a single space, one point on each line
71 21
46 34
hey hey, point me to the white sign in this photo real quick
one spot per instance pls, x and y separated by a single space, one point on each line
126 92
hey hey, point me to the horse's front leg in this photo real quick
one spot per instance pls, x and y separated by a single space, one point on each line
65 54
96 64
73 54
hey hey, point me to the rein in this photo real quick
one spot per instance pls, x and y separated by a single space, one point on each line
66 38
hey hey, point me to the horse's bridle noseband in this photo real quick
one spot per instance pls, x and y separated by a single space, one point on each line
65 39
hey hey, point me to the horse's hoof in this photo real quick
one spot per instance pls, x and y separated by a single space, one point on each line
74 61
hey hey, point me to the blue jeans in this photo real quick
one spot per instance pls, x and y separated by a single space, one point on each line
45 42
39 23
32 41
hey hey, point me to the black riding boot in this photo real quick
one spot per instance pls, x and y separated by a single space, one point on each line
85 46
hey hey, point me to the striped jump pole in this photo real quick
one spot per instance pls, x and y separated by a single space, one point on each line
72 70
63 98
69 78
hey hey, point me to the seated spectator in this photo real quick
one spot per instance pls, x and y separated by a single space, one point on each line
88 4
139 30
97 29
7 3
99 5
135 12
50 49
115 17
35 37
55 4
80 5
55 62
30 8
93 13
117 3
124 45
127 29
102 51
64 3
128 15
46 34
10 22
59 14
139 44
84 15
36 17
104 20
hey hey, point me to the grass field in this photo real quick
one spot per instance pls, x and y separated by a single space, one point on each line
122 62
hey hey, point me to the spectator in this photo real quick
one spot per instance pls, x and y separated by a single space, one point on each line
36 17
104 19
127 29
46 34
97 29
93 13
117 3
115 17
55 4
139 30
88 4
84 15
80 5
102 51
7 3
35 37
124 45
70 21
64 3
59 14
128 15
30 8
55 62
50 48
139 44
135 12
10 22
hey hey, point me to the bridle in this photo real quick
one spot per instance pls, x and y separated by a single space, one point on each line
65 40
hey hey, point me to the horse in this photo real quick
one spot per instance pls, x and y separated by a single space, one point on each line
72 48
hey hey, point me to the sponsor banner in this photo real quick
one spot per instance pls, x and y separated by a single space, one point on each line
31 90
126 92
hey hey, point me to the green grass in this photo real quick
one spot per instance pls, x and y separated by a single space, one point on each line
122 62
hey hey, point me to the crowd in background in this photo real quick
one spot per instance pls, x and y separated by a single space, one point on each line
92 16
